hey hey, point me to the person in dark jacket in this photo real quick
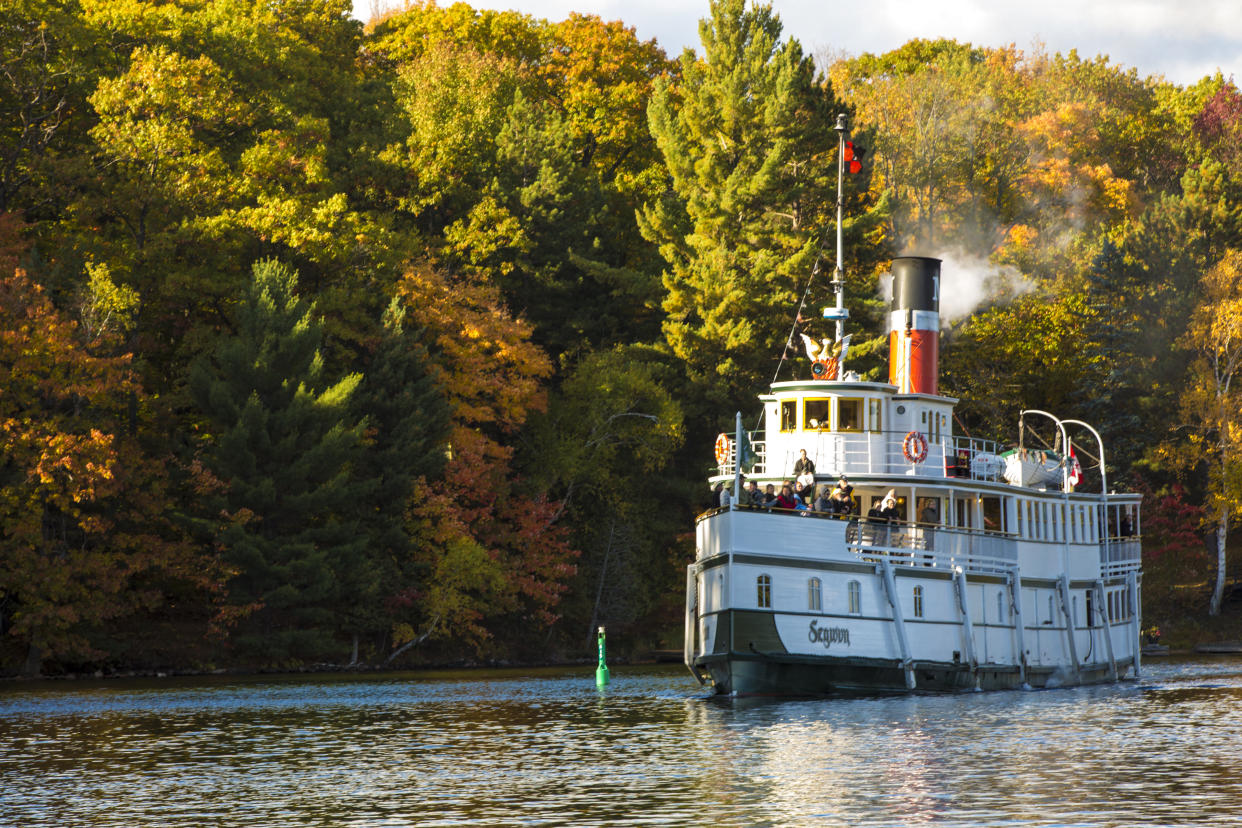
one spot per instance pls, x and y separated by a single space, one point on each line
803 464
769 497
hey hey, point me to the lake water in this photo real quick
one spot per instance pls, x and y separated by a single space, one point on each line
544 747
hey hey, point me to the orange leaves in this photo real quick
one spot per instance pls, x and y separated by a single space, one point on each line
82 510
491 370
478 515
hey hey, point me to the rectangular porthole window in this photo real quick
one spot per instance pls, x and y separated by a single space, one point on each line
814 596
918 602
849 415
764 585
817 413
854 590
789 415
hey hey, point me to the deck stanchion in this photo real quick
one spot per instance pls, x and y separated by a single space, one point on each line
890 588
1067 614
968 629
1019 625
1102 611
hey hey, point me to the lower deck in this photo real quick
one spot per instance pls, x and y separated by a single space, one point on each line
786 605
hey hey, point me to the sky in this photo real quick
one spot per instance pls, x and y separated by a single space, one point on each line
1183 40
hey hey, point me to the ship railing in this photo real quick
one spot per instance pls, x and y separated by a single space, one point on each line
875 452
1120 555
933 546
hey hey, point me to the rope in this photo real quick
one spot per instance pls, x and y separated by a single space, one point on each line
819 257
798 316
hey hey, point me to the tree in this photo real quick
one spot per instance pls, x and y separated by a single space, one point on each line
1031 353
501 528
747 137
523 163
1173 550
1212 403
604 450
41 80
406 446
282 438
87 513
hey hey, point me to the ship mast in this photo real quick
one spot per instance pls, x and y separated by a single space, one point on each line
839 313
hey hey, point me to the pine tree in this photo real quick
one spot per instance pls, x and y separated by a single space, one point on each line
284 443
749 143
407 417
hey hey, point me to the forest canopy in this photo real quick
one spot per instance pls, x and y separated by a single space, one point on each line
407 342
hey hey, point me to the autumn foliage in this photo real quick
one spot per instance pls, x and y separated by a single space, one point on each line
528 270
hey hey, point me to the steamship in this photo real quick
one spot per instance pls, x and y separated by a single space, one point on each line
998 566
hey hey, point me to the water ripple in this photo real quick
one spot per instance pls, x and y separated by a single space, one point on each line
546 747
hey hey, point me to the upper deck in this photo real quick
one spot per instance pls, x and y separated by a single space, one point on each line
851 427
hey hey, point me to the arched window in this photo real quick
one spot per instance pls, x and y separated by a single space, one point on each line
854 590
814 595
918 602
764 584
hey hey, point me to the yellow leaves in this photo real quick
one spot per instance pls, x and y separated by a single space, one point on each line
1216 328
107 309
1212 402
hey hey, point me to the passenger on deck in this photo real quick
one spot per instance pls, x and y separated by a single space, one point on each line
785 500
716 495
842 505
882 518
876 530
823 503
805 486
929 517
753 496
844 485
803 463
769 497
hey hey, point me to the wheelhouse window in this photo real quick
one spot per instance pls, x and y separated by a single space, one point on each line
849 414
764 585
993 515
814 596
854 591
818 414
918 602
789 415
875 410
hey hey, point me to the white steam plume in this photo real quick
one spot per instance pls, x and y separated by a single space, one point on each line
969 282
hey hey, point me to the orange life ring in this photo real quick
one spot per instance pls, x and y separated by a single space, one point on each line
914 447
723 443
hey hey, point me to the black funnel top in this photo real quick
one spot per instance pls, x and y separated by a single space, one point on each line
916 283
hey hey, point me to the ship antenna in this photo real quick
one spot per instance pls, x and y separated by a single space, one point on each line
838 275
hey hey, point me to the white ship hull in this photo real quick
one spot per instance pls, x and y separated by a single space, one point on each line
844 614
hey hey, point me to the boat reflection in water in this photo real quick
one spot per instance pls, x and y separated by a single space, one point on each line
536 747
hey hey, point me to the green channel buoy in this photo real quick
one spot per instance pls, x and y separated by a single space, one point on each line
601 672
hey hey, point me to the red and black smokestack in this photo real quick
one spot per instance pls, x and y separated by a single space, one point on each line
914 325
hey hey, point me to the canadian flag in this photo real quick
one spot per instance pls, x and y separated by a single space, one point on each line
1075 469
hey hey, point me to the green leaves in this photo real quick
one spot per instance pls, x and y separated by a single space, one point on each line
747 139
285 448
